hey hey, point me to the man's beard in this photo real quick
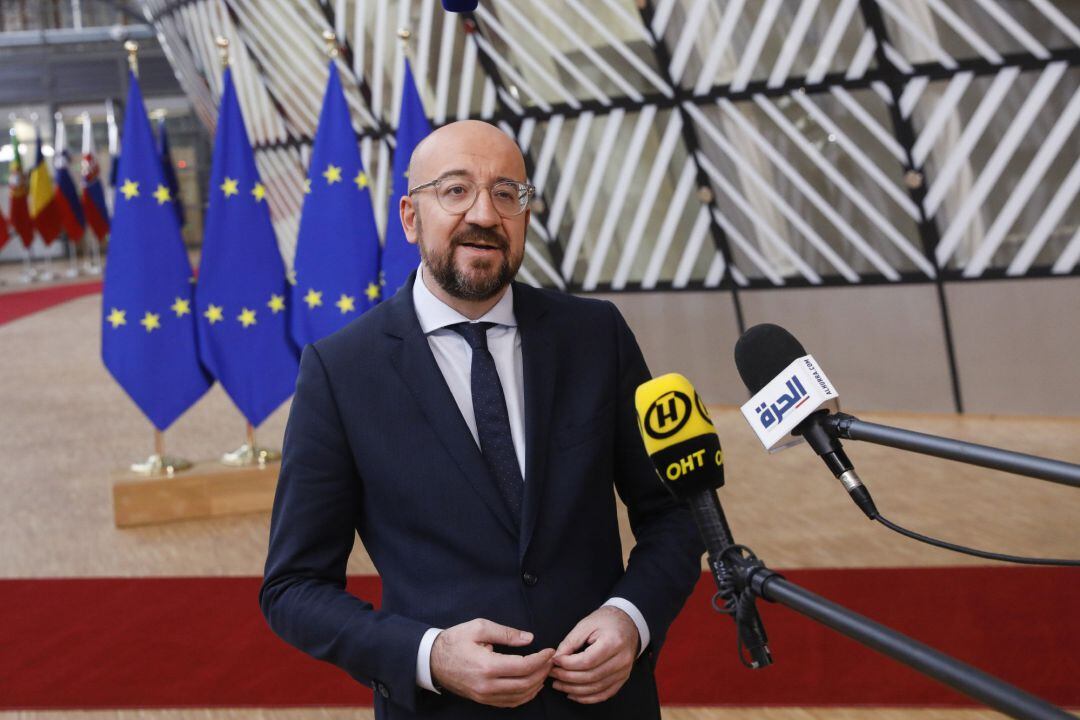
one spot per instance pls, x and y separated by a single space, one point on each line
480 281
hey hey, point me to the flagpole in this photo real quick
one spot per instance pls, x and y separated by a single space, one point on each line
159 463
93 265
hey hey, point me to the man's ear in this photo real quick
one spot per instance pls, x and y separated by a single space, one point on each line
407 210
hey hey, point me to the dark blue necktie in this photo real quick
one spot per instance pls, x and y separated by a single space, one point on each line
492 419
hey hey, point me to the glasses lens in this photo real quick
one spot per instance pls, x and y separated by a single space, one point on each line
509 198
456 196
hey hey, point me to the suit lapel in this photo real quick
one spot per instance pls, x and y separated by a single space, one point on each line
414 362
539 359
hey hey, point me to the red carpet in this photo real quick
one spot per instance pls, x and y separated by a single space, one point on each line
201 642
14 305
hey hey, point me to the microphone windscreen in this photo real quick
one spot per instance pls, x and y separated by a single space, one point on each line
763 352
459 6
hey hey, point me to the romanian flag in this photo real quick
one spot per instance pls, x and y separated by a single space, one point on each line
67 196
44 210
95 210
19 211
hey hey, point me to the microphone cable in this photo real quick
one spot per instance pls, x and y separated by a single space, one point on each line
973 551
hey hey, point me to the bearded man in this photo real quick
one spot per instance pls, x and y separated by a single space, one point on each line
474 431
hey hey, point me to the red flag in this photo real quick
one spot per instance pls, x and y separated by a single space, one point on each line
19 211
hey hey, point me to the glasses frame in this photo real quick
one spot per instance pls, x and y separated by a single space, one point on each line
527 188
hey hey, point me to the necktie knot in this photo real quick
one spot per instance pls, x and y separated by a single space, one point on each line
474 333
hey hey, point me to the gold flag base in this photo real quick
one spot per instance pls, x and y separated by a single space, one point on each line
248 454
160 465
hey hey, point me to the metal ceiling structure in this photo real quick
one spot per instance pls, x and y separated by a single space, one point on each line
688 144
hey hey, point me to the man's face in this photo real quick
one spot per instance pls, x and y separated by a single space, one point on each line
471 255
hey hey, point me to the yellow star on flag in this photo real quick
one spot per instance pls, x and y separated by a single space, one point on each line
116 318
346 303
373 292
162 195
151 321
307 186
181 307
130 189
259 191
332 174
276 304
214 314
229 187
290 277
313 298
361 180
246 317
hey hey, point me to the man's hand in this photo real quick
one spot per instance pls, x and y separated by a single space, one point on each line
463 662
599 670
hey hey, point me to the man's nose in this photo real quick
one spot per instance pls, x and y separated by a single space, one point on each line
483 211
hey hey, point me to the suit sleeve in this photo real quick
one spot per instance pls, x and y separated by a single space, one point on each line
312 530
665 562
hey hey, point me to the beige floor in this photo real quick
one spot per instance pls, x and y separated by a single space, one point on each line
64 425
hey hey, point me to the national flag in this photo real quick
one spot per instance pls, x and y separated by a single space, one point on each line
5 231
67 197
19 210
148 338
170 170
336 270
44 210
94 207
240 297
400 257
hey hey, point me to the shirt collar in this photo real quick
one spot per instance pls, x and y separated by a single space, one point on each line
434 314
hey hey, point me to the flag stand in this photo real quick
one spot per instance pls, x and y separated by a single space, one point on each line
29 274
159 463
93 265
47 274
73 260
249 453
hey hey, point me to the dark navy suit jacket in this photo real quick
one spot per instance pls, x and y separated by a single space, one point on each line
375 444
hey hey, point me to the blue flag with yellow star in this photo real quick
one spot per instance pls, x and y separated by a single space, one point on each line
240 297
400 257
167 165
336 270
148 331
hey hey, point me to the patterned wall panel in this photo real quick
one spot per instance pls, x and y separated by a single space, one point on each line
700 143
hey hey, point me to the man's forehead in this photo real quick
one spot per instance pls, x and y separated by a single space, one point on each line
473 147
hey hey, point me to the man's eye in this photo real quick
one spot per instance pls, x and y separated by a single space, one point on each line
455 190
505 193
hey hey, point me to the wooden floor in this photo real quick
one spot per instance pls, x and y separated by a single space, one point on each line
65 424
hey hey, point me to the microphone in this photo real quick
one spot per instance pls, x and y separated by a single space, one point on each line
791 397
683 445
459 6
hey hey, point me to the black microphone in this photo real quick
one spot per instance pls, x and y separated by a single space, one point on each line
683 445
459 6
766 353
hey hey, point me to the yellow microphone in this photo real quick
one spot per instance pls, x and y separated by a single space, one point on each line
685 450
679 436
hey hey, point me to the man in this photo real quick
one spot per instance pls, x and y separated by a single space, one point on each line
472 430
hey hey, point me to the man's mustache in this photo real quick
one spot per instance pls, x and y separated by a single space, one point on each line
480 236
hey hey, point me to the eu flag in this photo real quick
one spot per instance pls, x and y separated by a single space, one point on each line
336 270
171 181
400 257
240 297
148 329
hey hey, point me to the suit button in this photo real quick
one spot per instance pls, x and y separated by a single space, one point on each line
383 690
529 579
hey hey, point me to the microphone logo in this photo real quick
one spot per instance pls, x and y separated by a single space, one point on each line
667 415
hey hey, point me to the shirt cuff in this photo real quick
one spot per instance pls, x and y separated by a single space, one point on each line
423 660
639 620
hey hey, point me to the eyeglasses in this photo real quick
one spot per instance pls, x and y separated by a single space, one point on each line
457 195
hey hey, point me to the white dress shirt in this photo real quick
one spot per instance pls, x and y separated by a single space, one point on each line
454 358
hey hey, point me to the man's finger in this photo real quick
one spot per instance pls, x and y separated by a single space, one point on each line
610 666
486 631
589 658
498 665
577 637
